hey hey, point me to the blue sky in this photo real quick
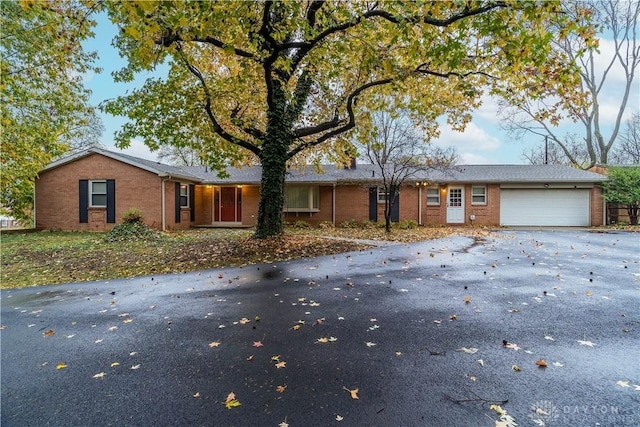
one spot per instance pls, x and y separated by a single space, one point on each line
483 142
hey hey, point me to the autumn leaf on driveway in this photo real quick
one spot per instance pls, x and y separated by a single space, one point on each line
587 343
370 344
471 350
61 365
100 375
231 401
511 345
281 365
49 333
281 388
257 344
353 393
214 344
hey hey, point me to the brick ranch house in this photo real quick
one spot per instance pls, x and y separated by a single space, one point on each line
90 190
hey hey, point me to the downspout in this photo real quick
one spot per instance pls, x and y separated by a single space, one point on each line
164 208
333 205
420 205
34 204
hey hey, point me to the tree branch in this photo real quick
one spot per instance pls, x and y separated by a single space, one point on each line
217 128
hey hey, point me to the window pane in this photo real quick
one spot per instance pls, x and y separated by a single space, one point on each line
99 187
316 197
433 196
184 190
98 200
478 195
297 197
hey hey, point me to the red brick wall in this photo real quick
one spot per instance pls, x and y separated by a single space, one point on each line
250 201
57 195
597 205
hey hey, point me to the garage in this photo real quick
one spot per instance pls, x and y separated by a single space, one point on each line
545 207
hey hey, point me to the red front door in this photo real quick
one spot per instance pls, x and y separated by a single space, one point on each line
228 204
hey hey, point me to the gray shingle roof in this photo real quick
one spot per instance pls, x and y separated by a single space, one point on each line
362 173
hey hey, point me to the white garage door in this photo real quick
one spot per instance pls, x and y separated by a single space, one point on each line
548 207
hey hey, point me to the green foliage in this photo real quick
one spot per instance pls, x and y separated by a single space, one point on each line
623 187
287 82
43 104
299 224
131 231
326 225
407 224
368 224
132 215
350 223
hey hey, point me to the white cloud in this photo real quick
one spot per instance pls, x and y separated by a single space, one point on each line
136 149
473 138
476 159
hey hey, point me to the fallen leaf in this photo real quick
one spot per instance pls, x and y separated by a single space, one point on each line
370 344
282 364
49 333
257 344
231 401
467 299
214 344
244 321
511 345
275 358
250 358
296 327
281 388
127 321
322 340
587 343
100 375
453 317
481 362
398 353
588 293
61 365
339 418
623 383
114 364
134 367
197 394
284 423
354 392
471 350
541 363
97 341
113 328
549 337
516 368
558 364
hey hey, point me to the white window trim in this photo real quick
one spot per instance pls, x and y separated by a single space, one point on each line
437 190
187 196
309 207
484 202
91 193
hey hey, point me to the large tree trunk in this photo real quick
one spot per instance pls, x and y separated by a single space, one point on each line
274 168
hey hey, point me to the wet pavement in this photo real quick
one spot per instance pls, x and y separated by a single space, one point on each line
429 334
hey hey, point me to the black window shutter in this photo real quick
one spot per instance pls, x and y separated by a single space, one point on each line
395 208
192 201
84 200
177 202
111 201
373 203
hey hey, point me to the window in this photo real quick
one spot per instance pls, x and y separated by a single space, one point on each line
98 194
479 195
300 198
382 195
184 195
433 196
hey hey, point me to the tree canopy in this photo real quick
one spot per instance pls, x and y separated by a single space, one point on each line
623 187
594 142
43 103
280 81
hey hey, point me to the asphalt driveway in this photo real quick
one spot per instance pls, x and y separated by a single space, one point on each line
428 334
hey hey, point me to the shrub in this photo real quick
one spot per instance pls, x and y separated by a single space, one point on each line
301 224
408 224
326 225
350 223
368 224
132 215
131 228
